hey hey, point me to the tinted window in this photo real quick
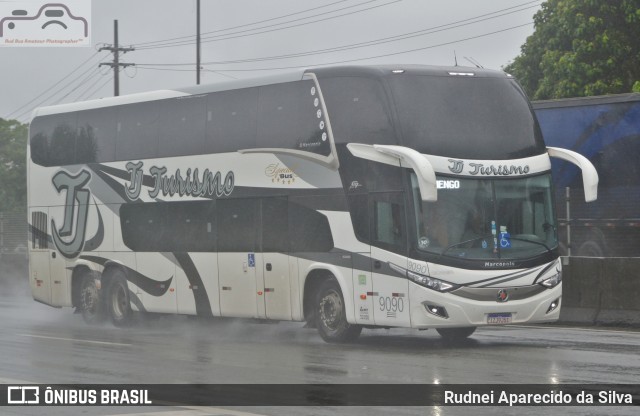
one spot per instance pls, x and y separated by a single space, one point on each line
359 209
388 226
466 117
359 110
182 127
237 225
290 116
383 177
309 230
138 131
359 177
97 135
169 226
53 139
275 228
231 120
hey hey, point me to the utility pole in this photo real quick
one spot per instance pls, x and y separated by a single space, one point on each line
198 42
116 64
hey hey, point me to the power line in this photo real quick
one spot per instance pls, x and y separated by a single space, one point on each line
58 91
99 88
53 85
240 26
349 60
86 79
395 38
81 95
218 38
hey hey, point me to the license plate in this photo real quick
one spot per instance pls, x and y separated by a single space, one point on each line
499 318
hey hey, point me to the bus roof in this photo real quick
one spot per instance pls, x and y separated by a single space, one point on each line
374 71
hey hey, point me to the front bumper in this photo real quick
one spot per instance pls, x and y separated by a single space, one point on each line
463 311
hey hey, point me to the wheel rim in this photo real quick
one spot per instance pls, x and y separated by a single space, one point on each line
331 310
119 302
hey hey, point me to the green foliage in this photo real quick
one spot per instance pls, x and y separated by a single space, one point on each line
581 48
13 166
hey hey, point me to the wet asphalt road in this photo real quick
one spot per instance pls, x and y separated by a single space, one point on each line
40 344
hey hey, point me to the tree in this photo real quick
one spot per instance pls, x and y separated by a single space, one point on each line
13 166
581 48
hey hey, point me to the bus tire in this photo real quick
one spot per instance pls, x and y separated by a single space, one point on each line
331 319
456 334
90 303
118 302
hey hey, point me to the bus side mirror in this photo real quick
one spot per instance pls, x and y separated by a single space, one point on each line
401 156
589 173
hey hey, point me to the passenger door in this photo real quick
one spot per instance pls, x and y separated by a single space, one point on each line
275 257
238 221
389 259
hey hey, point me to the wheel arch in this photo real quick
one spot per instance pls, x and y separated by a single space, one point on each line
315 275
111 267
81 268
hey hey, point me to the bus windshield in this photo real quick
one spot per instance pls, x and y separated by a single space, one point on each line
487 218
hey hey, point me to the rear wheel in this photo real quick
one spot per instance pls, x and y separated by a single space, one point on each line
91 305
118 302
456 334
331 319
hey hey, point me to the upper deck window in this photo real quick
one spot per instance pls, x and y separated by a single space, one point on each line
359 110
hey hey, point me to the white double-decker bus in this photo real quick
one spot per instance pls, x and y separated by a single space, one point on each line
346 197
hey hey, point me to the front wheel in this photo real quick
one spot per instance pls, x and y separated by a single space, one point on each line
118 302
331 319
456 334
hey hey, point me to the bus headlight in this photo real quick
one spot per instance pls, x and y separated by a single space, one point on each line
431 283
552 281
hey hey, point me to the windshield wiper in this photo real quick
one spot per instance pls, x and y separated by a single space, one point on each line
490 236
526 240
466 242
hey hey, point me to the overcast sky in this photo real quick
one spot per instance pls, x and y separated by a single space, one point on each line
386 31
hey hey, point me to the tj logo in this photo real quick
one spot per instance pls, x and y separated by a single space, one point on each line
76 193
456 165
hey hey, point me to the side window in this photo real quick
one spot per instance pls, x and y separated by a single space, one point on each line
358 110
383 177
361 177
187 226
237 225
138 131
388 223
275 227
96 136
290 117
359 208
182 126
143 226
231 120
53 139
309 230
192 226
